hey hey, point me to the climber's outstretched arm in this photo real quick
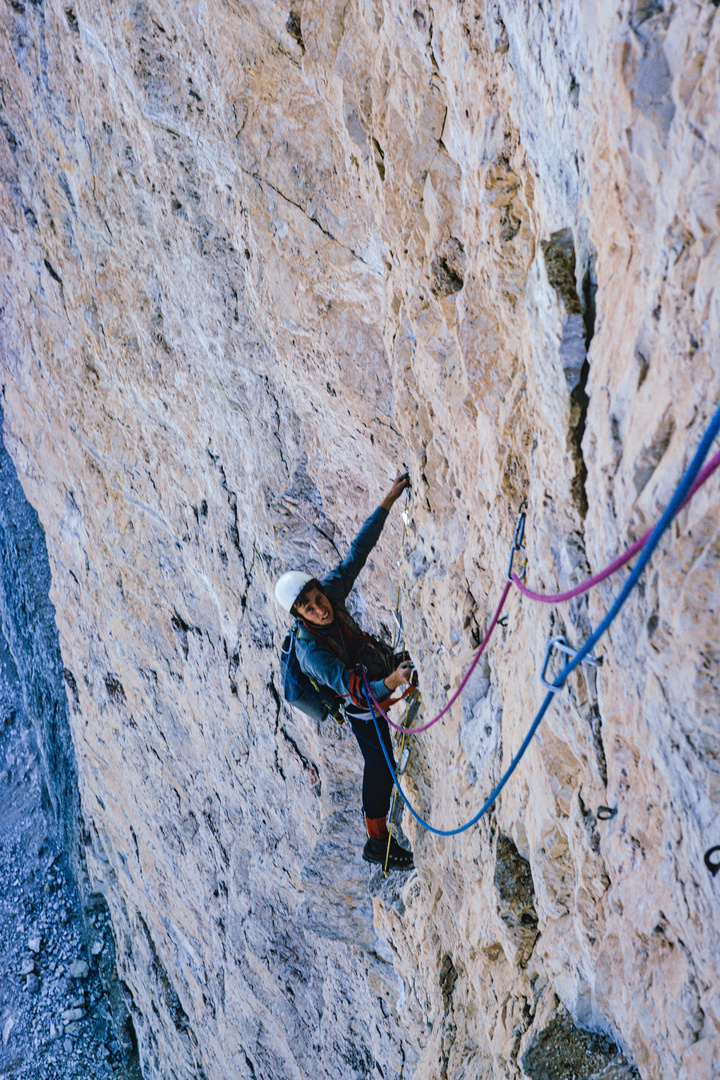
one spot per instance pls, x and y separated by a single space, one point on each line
340 581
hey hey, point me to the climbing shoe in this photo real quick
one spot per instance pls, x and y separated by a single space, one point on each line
399 858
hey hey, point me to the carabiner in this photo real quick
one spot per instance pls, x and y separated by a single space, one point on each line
518 542
562 646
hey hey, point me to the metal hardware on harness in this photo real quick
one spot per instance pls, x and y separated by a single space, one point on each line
604 813
518 544
713 867
562 646
398 632
403 760
412 709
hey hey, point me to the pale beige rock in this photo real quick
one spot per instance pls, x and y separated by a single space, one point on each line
254 257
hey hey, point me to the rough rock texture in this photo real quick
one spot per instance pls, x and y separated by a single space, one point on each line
46 897
56 1016
253 256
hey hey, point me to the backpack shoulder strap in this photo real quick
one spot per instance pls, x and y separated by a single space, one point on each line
304 633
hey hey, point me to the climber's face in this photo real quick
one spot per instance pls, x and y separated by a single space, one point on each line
316 609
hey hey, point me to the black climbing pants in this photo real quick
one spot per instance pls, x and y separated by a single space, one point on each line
377 778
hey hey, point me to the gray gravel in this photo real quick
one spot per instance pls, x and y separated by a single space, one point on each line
55 1019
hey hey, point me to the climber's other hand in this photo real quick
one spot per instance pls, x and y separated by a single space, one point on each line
401 482
400 675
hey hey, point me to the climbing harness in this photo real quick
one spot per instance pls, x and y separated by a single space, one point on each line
694 477
349 654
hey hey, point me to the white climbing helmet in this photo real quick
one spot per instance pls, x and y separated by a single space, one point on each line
290 586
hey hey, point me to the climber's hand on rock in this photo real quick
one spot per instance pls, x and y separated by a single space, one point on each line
402 481
400 675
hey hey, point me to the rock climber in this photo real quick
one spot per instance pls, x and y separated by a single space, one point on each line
329 652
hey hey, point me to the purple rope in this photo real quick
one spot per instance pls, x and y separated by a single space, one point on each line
639 544
558 598
704 474
461 687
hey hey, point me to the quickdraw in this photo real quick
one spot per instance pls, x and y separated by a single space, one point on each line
695 475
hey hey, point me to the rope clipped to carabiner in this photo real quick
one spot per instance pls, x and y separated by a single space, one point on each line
695 475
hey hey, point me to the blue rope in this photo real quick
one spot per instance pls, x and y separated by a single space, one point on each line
672 509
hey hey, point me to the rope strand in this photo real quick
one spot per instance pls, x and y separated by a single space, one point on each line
616 564
704 475
689 484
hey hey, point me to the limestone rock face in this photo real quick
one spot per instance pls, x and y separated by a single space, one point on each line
255 257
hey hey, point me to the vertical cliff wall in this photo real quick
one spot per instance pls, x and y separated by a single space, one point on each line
27 618
254 256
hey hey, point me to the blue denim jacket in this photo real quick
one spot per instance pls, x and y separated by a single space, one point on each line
315 657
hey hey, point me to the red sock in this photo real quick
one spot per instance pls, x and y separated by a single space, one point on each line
377 828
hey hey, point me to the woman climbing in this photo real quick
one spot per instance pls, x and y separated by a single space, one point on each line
328 646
